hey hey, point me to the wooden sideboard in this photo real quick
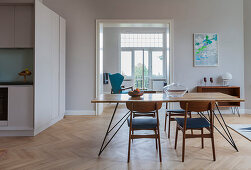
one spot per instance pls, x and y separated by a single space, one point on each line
230 90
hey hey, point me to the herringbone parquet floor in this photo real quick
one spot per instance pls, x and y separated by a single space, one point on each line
74 142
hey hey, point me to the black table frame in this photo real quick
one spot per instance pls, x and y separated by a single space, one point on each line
228 137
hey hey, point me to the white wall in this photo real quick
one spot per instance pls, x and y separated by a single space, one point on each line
247 33
190 16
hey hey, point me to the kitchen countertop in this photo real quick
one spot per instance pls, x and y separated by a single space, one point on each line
16 83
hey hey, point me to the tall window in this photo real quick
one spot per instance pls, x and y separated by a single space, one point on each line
143 58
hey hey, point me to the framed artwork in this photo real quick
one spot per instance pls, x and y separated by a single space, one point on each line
206 49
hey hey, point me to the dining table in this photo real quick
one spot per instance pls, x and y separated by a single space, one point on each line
162 97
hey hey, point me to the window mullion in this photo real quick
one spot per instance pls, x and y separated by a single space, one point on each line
150 68
133 63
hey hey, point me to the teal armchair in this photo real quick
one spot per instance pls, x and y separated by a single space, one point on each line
116 81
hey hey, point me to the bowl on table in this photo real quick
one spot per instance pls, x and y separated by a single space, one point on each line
135 93
175 90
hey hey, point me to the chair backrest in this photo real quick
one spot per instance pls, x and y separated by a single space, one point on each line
143 107
197 106
116 80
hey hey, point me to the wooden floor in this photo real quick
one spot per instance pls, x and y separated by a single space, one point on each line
74 142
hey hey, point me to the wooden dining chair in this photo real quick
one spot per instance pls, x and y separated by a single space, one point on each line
149 114
172 113
144 123
185 123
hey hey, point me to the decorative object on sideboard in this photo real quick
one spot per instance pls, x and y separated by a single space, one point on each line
25 73
175 90
206 49
226 78
205 81
211 81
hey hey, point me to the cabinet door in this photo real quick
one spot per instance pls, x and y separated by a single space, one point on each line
55 64
43 66
62 66
20 110
46 66
24 26
6 26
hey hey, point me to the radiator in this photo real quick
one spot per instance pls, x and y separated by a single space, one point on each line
158 85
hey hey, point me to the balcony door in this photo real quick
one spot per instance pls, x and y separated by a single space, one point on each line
141 69
144 59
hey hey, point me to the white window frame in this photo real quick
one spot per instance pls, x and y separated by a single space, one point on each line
150 50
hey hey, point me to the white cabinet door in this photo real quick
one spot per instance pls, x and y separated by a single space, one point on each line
6 26
20 110
24 26
43 66
62 66
55 64
46 66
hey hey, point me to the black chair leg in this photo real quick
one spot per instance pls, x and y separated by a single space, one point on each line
160 158
129 146
183 147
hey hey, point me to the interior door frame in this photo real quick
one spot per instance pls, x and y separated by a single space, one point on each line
99 51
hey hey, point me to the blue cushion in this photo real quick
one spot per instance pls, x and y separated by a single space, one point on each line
143 123
116 81
176 110
193 123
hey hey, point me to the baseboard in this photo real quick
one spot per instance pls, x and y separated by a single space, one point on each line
229 111
17 133
80 112
245 111
47 125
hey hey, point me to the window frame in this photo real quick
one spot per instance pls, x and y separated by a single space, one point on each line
132 62
150 50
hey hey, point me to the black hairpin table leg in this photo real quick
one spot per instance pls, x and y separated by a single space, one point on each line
109 129
224 126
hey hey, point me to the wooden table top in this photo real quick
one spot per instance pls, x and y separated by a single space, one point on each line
161 97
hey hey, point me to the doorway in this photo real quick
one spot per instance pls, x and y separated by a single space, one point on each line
141 50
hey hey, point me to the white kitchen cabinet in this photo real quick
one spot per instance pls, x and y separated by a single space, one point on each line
47 68
55 64
17 26
43 65
24 26
20 110
33 109
62 63
6 26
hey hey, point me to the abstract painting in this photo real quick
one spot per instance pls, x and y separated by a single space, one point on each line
206 49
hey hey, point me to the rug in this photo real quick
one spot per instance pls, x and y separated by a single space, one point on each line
242 129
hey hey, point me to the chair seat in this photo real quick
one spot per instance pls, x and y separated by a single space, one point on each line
143 123
176 110
193 123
